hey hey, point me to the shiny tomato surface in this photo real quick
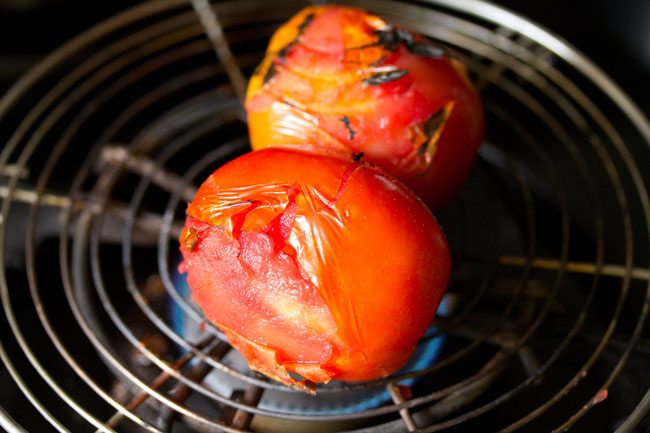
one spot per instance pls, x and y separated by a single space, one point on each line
346 79
313 264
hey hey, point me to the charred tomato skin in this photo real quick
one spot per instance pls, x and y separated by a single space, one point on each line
343 78
313 264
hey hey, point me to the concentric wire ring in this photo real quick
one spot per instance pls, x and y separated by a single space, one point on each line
143 112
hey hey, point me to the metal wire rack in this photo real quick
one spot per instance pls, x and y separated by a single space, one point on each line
105 140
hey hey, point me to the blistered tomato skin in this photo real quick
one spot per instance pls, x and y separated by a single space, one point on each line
346 79
315 265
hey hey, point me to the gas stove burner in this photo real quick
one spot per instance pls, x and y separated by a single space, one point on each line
544 327
335 397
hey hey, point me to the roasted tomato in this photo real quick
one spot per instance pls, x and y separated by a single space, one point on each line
346 79
314 265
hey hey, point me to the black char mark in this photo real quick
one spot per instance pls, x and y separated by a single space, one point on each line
391 38
405 36
385 77
356 157
304 24
270 73
388 38
285 50
301 29
348 126
433 125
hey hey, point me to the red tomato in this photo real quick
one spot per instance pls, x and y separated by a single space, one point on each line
343 78
314 265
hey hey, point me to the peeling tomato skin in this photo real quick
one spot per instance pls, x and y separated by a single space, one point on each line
347 80
334 272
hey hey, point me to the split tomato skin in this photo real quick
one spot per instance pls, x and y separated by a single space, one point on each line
345 79
313 264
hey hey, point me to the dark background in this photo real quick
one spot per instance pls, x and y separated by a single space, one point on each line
616 35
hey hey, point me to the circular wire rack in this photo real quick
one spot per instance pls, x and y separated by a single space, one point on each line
106 140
